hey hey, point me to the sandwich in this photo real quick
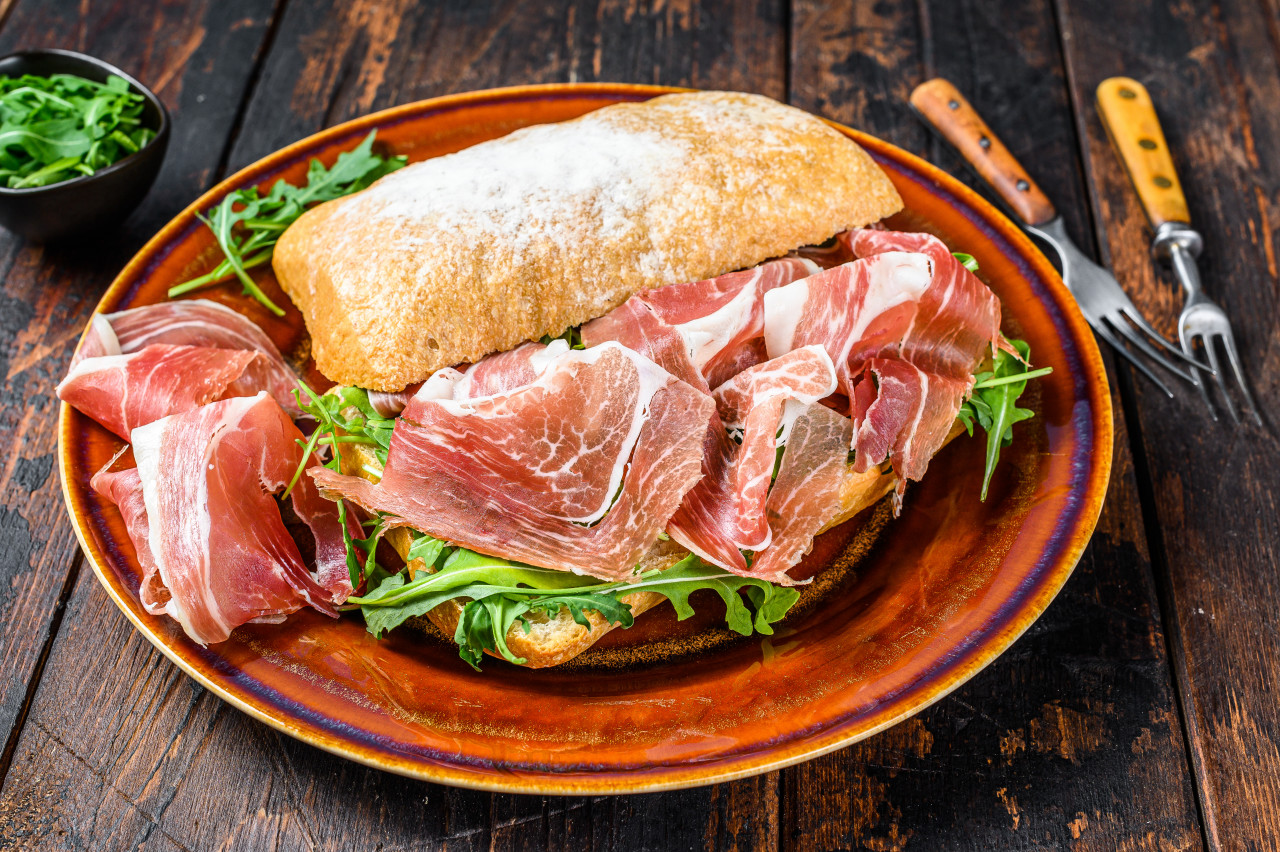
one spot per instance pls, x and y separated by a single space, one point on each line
580 371
598 363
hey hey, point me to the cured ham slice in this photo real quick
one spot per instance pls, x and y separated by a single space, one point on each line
724 513
716 318
493 374
210 528
125 391
192 322
637 326
958 314
579 470
808 485
835 252
892 418
506 371
391 404
734 360
906 325
124 488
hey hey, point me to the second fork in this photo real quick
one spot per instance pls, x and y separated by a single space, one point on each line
1131 122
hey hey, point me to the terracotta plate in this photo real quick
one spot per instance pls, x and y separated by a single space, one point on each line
914 607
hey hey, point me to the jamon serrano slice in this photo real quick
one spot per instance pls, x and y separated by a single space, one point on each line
717 318
497 373
725 512
637 326
210 528
125 391
192 322
958 314
528 474
906 325
808 485
505 371
892 419
124 488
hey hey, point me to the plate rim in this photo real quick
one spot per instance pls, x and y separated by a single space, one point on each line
670 777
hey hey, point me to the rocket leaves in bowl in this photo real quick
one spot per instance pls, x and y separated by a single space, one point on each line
61 127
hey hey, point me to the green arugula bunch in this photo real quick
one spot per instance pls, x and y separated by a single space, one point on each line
499 594
61 127
993 404
248 225
994 401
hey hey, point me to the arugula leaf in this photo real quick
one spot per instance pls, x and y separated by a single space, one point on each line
61 127
483 627
993 405
770 601
247 224
499 593
426 548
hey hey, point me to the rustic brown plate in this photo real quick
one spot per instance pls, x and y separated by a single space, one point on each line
914 612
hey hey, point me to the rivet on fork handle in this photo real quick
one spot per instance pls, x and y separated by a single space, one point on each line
942 106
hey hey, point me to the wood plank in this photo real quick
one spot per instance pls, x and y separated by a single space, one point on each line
158 763
48 292
1214 75
1072 738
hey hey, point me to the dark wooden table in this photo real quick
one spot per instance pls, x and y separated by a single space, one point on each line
1140 712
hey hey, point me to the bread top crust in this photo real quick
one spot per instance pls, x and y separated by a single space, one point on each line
475 252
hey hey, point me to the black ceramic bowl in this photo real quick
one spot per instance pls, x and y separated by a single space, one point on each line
95 201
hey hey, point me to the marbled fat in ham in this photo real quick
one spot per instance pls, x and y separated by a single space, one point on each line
504 371
637 326
527 474
125 391
192 322
210 526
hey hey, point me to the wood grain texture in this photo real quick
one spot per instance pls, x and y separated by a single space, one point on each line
1071 739
157 763
1213 73
1132 124
942 105
48 292
335 61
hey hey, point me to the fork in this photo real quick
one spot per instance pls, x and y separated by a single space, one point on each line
1096 291
1131 121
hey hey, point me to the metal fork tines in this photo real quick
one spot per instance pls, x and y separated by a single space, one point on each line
1202 322
1111 313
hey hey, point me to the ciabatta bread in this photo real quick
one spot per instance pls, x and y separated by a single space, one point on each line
455 257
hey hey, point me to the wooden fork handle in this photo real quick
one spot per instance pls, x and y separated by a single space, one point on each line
941 104
1131 122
